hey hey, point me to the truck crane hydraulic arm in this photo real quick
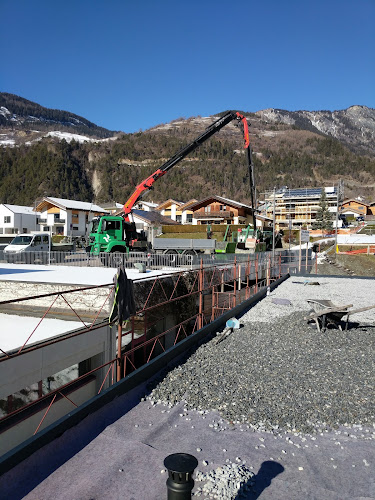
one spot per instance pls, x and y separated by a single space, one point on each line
146 185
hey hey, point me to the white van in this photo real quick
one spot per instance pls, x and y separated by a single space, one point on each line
26 243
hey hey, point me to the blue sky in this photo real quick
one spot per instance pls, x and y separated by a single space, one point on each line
128 65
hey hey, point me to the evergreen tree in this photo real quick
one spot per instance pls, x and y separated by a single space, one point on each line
323 215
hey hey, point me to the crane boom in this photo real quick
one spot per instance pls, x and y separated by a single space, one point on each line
146 184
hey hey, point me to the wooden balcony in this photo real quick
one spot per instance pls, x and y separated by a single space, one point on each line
224 214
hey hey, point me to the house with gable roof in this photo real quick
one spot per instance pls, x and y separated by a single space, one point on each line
187 212
146 206
171 208
219 210
15 219
355 207
67 217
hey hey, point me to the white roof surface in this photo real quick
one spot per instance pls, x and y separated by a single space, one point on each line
235 202
12 337
76 205
352 239
70 275
19 209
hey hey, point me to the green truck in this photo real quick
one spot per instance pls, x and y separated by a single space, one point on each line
116 234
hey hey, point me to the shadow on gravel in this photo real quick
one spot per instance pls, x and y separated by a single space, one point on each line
268 471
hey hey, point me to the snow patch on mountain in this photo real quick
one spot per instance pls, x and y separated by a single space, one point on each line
70 137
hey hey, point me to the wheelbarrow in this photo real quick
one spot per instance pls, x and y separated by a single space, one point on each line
326 313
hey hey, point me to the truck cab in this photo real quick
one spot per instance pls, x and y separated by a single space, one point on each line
111 233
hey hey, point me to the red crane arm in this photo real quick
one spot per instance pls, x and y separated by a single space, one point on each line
146 185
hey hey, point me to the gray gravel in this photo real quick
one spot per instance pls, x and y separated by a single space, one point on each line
297 289
279 374
228 481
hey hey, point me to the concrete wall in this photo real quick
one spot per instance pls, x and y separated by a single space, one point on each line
90 300
23 430
21 371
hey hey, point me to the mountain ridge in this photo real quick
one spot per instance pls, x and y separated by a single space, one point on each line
290 148
19 113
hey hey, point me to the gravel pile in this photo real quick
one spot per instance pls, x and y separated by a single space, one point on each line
279 374
228 481
298 289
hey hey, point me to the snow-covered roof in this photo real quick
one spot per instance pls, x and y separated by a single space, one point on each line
19 209
74 205
47 329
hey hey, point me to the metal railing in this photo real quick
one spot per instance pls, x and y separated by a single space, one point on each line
189 298
155 261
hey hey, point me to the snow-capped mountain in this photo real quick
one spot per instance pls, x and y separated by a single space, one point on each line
24 122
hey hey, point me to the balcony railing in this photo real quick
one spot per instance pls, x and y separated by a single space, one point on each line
41 221
59 221
224 214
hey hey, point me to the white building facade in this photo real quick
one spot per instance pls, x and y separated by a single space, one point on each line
15 219
66 217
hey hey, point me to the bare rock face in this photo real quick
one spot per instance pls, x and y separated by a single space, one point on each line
354 126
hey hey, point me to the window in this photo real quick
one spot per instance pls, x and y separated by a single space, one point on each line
56 216
22 240
75 228
45 239
189 218
178 218
39 389
110 225
24 229
37 240
7 219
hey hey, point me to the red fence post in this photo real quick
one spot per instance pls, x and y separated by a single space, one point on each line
200 284
234 281
248 277
213 304
119 340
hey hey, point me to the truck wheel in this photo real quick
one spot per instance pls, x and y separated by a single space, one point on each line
171 257
190 252
105 259
117 258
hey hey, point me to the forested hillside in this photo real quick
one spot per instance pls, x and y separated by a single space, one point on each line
283 154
